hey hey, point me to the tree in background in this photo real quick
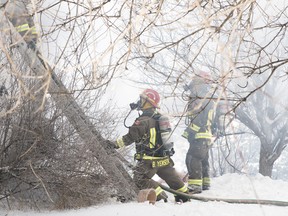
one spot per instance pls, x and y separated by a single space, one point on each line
92 44
265 113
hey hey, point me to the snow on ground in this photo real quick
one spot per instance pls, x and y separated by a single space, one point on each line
234 186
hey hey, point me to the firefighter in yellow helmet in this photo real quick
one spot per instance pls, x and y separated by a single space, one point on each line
18 14
203 118
153 150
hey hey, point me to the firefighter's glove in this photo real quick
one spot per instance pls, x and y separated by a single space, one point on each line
110 144
181 199
162 196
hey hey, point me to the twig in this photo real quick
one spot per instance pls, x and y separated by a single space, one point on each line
41 182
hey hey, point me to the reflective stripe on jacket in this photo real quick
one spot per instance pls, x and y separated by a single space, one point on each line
144 133
22 28
201 123
21 18
26 28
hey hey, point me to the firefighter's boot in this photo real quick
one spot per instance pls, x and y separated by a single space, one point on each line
195 186
162 196
206 183
205 187
195 189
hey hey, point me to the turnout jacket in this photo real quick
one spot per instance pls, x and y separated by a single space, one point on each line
146 135
150 153
18 13
203 113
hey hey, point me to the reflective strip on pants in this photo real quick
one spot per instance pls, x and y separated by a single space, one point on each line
206 181
195 182
158 190
183 189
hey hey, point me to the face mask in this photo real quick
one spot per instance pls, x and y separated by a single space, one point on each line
136 105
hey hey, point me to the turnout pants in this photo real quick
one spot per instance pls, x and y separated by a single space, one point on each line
144 171
197 162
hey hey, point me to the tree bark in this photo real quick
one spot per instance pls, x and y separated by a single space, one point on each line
265 166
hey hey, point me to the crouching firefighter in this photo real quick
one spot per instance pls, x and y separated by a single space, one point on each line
203 117
150 132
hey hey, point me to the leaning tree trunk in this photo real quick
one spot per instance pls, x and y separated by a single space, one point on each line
73 112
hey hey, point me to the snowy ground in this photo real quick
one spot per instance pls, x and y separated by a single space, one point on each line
228 186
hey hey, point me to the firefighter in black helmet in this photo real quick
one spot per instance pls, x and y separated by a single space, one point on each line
203 118
152 154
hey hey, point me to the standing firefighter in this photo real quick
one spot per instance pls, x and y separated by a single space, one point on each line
18 13
150 132
202 120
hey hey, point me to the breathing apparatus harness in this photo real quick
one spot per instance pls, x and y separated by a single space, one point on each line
163 129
